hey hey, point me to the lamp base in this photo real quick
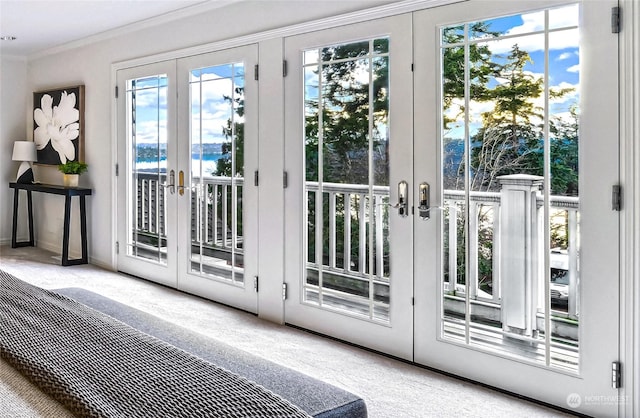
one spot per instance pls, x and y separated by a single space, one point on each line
25 173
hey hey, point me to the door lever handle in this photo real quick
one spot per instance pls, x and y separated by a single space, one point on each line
403 198
181 183
172 182
424 209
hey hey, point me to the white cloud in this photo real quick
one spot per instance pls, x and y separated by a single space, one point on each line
565 56
150 132
531 43
531 22
558 18
564 17
574 69
151 97
572 96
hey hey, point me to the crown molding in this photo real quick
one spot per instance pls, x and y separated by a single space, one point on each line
136 26
359 16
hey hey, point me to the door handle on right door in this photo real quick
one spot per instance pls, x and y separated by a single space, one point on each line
424 209
181 183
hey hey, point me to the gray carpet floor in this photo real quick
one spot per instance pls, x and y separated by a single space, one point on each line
391 388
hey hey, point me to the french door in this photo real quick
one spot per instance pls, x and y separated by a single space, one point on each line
187 135
522 283
450 193
217 95
147 147
340 221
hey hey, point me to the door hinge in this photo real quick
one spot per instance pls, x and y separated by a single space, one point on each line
116 92
255 283
256 72
411 67
117 247
256 178
117 170
284 291
285 179
413 301
616 197
615 19
616 375
284 68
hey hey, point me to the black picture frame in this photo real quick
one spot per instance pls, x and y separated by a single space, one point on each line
66 103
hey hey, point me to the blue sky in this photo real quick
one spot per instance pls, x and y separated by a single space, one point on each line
209 86
527 30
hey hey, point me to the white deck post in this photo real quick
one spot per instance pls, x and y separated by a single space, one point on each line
519 261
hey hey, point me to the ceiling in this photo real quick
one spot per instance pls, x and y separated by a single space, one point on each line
39 25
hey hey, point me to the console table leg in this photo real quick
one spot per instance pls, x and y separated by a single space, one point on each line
30 210
14 229
83 229
65 236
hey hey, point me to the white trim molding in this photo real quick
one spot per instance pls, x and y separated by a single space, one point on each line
136 26
630 226
373 13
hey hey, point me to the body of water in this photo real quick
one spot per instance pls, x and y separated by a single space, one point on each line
208 164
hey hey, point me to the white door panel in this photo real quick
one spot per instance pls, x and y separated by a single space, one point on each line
490 326
147 240
218 113
341 283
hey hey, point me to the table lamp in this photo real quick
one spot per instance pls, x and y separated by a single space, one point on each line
24 151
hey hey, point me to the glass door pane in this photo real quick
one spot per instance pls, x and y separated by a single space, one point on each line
346 99
146 100
510 114
217 171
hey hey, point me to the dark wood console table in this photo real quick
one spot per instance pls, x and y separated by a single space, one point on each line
68 193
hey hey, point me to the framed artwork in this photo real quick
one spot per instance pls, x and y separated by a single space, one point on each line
58 125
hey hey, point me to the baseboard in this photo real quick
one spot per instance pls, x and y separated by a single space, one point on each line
57 249
101 263
54 248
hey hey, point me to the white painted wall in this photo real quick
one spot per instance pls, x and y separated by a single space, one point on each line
14 110
91 65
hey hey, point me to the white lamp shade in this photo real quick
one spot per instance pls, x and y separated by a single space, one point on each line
24 151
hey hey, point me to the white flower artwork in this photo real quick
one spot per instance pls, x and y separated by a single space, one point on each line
58 124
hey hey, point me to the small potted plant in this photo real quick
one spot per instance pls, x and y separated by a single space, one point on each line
71 171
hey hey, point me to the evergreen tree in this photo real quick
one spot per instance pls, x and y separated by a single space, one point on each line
233 126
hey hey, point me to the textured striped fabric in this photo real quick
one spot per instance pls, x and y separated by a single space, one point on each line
99 367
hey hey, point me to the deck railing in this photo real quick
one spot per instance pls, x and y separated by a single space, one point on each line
345 248
335 243
484 216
